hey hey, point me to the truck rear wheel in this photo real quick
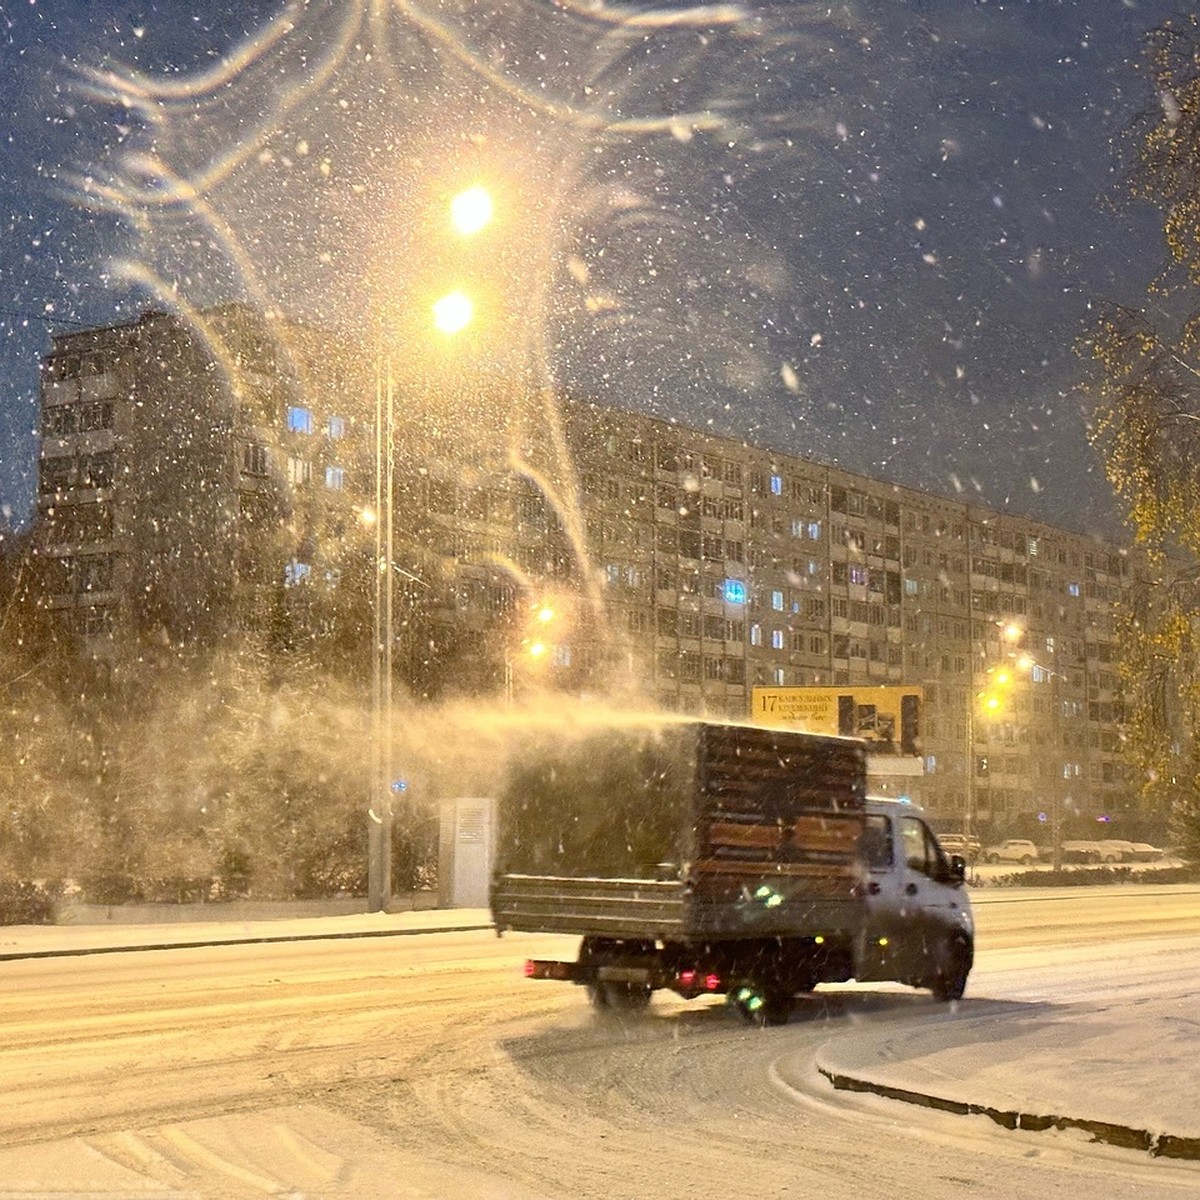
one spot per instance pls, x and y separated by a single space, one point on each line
618 997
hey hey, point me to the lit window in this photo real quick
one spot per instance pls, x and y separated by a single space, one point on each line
814 531
299 470
756 635
735 591
858 574
296 573
930 764
777 601
776 639
776 485
562 656
780 676
299 420
1072 589
337 427
335 477
910 587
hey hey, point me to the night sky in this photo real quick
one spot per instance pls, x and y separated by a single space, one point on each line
868 234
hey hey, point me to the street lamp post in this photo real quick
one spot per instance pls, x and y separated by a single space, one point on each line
379 827
470 211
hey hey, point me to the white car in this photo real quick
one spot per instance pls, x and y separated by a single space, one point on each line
1012 850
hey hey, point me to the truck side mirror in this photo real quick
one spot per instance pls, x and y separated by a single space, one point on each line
958 868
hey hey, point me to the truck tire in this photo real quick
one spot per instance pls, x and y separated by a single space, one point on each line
618 997
951 980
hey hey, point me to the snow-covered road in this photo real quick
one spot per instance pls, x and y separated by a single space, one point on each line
426 1066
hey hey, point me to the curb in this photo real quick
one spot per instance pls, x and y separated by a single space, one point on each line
1157 1145
82 951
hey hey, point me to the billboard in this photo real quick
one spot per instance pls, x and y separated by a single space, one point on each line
887 718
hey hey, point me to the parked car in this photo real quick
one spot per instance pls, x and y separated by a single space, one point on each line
1113 850
960 843
1013 850
1077 851
1144 852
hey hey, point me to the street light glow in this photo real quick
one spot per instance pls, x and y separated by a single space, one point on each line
453 312
471 210
545 614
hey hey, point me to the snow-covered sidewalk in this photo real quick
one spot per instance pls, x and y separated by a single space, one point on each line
1123 1071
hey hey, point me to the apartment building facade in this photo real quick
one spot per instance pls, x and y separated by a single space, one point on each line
193 487
189 470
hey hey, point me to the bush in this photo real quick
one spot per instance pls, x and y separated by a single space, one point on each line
28 903
1084 876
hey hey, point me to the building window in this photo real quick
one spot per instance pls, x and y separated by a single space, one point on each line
735 591
335 478
296 573
97 621
299 471
858 574
95 416
756 635
299 420
777 601
58 421
94 573
776 639
97 471
814 531
776 485
55 474
254 459
337 427
1072 589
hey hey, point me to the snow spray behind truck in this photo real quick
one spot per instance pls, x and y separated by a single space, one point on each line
713 858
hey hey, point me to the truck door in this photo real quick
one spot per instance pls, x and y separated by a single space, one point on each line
911 904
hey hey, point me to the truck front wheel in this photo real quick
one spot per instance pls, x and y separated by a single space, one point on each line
951 980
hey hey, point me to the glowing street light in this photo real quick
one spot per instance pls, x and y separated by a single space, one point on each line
453 312
471 210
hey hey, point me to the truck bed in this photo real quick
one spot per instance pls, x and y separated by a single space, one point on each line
699 831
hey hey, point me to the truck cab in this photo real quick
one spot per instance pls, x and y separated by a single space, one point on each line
920 928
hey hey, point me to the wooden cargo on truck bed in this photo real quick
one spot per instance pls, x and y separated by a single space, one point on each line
683 831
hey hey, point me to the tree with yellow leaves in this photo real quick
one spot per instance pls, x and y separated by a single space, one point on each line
1146 381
